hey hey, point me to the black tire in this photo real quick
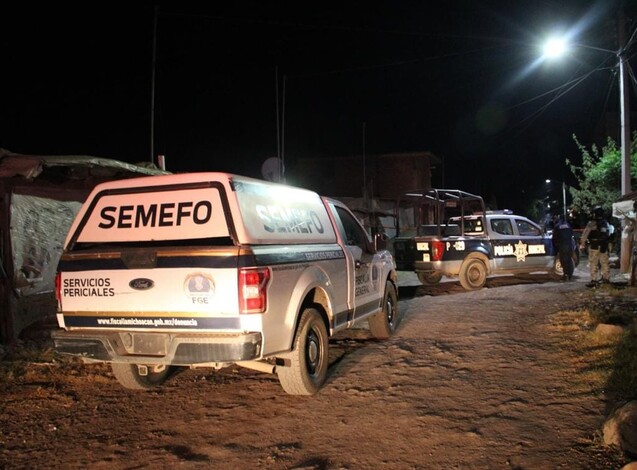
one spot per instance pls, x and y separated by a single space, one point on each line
305 367
473 274
129 377
558 271
384 323
429 278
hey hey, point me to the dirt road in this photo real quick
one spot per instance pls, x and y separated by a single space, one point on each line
471 380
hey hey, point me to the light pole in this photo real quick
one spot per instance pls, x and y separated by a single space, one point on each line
556 47
548 181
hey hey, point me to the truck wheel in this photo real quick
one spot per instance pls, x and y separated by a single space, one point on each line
430 278
384 323
473 274
129 376
558 270
305 370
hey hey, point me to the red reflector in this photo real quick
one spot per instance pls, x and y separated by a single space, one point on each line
253 295
438 249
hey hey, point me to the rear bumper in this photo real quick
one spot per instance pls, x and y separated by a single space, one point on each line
448 268
182 349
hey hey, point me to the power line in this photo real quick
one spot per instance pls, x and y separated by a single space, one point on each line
561 91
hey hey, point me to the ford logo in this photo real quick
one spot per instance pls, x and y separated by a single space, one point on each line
141 284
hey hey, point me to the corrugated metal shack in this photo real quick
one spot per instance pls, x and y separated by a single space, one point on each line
39 196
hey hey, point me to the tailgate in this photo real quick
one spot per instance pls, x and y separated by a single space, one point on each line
194 291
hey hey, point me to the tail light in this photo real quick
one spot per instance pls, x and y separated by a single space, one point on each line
437 250
253 295
58 290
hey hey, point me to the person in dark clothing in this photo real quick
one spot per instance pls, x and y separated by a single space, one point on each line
563 243
598 233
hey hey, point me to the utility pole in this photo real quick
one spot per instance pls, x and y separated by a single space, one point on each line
625 134
283 131
564 200
364 164
276 97
152 89
280 126
624 105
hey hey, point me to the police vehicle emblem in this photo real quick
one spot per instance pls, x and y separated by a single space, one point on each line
520 251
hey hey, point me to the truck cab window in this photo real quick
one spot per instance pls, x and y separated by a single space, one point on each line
502 226
354 234
526 228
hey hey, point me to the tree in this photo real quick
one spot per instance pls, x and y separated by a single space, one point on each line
599 175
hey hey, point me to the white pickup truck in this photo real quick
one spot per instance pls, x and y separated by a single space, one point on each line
214 269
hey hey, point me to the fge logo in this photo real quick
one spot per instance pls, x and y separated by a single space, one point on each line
199 287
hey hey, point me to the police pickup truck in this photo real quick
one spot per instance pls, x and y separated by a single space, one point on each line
444 232
213 270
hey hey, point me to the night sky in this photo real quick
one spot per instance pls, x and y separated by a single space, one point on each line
459 78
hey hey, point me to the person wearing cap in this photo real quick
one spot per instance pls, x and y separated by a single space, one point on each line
598 232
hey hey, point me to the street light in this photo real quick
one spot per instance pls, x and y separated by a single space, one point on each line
548 181
554 47
558 46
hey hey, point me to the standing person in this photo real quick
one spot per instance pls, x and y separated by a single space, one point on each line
598 232
563 243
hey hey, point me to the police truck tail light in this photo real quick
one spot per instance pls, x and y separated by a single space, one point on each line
253 295
437 250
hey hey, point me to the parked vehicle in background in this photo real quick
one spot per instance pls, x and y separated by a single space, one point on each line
213 269
448 232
